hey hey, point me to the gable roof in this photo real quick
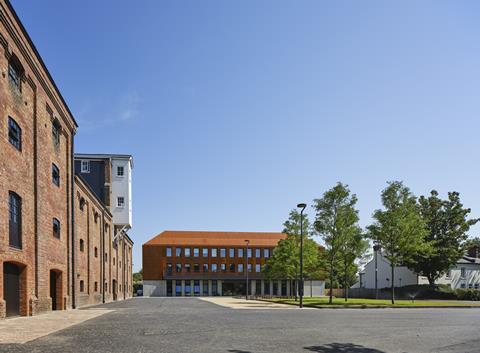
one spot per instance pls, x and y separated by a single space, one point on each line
207 238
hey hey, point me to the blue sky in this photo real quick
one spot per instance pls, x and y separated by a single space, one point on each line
235 111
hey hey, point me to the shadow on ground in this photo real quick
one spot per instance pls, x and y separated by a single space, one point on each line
342 348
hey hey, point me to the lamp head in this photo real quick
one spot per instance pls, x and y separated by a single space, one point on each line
302 205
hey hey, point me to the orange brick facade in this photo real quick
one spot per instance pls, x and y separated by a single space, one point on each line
48 265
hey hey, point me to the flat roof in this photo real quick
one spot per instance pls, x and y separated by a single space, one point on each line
103 156
207 238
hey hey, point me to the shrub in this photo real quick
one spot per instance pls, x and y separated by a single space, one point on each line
468 294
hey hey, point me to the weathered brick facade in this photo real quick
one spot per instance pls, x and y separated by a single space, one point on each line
43 264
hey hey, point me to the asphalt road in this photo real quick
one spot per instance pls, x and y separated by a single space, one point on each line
190 325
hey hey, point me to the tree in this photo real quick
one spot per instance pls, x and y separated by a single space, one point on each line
137 276
285 261
399 228
472 246
353 246
447 227
337 223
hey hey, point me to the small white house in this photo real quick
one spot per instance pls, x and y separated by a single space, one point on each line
465 274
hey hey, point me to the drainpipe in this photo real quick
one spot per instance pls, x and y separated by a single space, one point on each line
103 256
35 187
72 166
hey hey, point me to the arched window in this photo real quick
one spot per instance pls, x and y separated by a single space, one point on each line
15 72
56 131
82 286
82 203
15 220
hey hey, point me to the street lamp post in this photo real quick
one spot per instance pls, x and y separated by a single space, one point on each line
302 206
376 247
247 242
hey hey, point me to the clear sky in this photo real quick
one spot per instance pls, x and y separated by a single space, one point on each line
235 111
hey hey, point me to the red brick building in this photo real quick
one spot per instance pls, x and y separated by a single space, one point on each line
189 263
41 265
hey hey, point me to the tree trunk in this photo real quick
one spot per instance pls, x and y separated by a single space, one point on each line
393 283
330 300
431 281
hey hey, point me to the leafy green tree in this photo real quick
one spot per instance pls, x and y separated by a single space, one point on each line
137 276
285 261
447 227
353 246
473 247
337 223
399 228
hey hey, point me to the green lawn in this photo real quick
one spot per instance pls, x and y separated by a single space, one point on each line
322 302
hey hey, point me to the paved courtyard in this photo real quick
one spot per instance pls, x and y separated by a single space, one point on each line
194 325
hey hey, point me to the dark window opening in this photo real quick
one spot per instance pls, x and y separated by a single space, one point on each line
15 72
15 220
82 286
56 131
14 134
82 245
82 203
56 228
96 252
55 175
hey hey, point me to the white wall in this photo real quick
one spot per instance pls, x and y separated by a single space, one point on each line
403 276
155 288
121 186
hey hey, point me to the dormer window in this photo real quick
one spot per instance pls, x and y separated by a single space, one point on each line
15 72
85 167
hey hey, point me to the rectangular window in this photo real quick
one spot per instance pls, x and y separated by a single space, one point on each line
205 252
187 268
15 220
55 175
240 252
188 288
231 253
56 228
169 252
205 267
266 287
463 272
196 287
120 171
257 253
169 269
178 252
214 287
249 253
266 253
223 267
82 286
178 268
85 166
205 287
187 252
240 268
249 267
214 252
257 268
120 201
178 288
462 285
214 267
477 286
14 134
232 267
223 252
196 268
196 252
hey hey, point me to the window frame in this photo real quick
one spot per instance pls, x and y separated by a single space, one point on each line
121 205
84 166
55 175
56 224
15 211
14 126
122 168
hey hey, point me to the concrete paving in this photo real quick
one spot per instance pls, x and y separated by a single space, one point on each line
181 325
241 303
23 329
